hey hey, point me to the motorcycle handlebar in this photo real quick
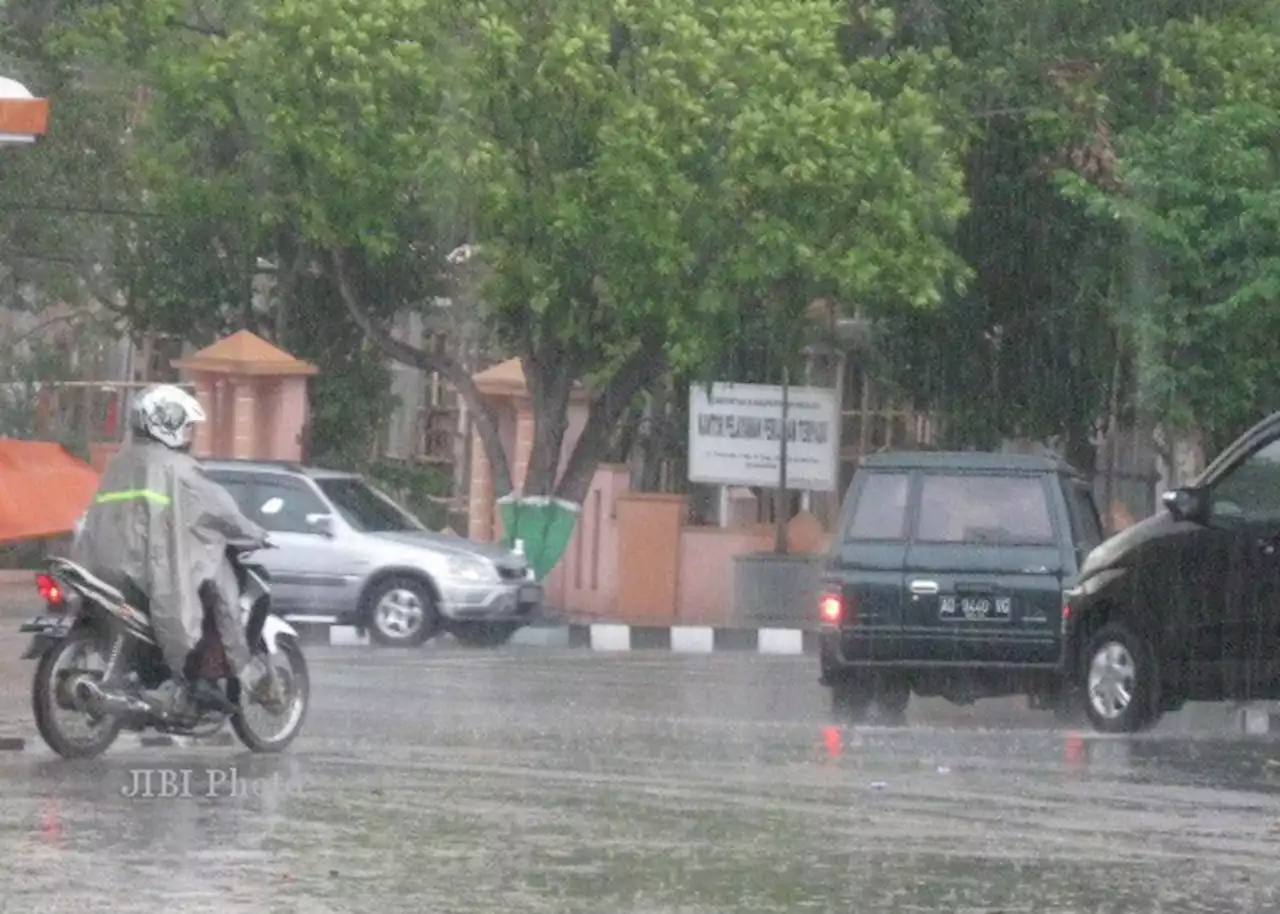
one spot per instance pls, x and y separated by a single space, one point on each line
241 546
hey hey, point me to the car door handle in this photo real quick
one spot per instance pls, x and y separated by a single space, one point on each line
922 588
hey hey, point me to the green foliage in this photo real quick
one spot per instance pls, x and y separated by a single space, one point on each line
350 398
675 182
58 196
1200 202
1107 228
418 487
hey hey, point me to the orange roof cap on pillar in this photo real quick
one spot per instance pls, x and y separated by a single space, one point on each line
245 353
506 379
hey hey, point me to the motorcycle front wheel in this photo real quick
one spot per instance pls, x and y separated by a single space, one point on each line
265 731
81 653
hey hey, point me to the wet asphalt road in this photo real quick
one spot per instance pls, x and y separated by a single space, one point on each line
528 780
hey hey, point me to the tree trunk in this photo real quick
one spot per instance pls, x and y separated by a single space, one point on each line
1080 450
607 407
624 437
550 384
651 449
482 413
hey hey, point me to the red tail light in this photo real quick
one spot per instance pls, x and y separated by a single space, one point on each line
831 608
49 589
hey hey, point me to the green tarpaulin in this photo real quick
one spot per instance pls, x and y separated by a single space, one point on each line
542 526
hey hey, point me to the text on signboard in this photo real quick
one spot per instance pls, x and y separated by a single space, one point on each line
727 425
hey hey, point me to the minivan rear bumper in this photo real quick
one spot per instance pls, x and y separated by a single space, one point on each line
870 648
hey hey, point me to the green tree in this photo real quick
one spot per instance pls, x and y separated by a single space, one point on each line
1061 95
207 244
637 174
1199 198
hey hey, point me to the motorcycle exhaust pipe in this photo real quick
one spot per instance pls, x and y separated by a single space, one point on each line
92 697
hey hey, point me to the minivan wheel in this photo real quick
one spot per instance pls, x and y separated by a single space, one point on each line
1121 688
850 700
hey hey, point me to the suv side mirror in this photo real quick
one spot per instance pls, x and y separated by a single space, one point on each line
321 524
1187 503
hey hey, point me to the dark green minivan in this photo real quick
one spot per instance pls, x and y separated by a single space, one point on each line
946 578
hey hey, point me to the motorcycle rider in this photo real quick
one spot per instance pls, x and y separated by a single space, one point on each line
160 527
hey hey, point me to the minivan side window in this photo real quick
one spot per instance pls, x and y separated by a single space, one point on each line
881 511
1251 491
1011 510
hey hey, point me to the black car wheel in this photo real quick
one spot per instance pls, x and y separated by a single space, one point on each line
1121 681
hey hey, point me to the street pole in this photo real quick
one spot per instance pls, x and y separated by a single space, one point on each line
780 505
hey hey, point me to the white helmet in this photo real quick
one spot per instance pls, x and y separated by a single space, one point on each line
167 414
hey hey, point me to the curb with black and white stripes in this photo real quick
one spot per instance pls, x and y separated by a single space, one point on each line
608 637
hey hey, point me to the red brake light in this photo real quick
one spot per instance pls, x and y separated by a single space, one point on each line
831 608
49 589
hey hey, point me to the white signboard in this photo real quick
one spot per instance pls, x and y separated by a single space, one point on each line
735 436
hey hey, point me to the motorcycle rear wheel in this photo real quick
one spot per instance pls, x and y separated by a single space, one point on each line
46 708
291 665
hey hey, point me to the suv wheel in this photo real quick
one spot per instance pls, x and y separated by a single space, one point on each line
893 694
1121 688
402 613
850 700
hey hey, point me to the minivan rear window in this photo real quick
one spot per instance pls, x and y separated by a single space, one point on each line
984 509
881 509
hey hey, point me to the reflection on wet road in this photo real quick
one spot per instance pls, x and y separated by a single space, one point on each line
543 781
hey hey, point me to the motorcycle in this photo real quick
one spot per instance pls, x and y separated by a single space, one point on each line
91 620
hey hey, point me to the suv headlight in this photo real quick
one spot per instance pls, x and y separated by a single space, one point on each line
473 570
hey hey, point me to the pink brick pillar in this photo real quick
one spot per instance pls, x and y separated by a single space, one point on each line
524 443
244 428
202 445
480 502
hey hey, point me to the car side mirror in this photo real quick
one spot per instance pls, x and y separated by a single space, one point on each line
1188 503
321 524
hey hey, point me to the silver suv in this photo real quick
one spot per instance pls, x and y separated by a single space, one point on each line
347 554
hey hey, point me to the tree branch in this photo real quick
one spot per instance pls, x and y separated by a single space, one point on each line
482 413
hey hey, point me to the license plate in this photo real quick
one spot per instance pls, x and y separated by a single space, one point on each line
979 609
530 593
46 625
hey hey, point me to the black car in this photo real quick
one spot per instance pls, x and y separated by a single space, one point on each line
1185 605
947 577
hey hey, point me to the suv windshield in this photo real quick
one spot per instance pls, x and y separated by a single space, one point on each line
365 508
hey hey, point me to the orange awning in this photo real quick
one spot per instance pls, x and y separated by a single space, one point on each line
43 490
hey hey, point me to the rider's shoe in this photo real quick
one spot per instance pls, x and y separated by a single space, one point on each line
208 696
265 690
170 699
